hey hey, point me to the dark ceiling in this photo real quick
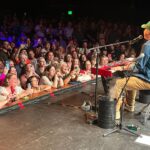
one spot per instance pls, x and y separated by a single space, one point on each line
127 9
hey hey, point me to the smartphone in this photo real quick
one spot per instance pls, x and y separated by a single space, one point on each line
7 64
76 69
13 100
29 85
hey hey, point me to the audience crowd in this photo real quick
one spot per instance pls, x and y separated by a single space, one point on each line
43 54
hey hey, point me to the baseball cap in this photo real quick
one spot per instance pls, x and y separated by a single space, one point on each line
146 26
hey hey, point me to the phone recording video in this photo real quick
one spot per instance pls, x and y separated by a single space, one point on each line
7 65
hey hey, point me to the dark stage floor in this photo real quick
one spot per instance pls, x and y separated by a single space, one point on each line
46 126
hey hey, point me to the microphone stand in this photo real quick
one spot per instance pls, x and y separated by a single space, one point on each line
97 47
96 85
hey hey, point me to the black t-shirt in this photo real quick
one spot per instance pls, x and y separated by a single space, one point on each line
4 55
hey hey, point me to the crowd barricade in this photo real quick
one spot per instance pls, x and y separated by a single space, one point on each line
44 95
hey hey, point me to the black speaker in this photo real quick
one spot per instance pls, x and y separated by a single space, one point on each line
106 113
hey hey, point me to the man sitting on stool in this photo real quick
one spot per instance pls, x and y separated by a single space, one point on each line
138 81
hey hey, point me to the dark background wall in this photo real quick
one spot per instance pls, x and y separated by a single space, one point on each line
135 11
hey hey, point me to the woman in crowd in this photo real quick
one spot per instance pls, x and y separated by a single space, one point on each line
76 65
3 71
61 52
49 57
83 60
68 60
86 75
47 47
52 77
122 57
33 81
11 63
28 72
67 75
93 62
88 68
11 91
12 70
103 61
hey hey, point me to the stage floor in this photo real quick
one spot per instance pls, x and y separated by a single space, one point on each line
59 126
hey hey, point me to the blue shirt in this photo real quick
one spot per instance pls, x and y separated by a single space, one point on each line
143 64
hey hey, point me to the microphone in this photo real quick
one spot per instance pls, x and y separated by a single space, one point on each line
136 39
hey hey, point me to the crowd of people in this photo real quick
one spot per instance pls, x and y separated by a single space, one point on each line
44 54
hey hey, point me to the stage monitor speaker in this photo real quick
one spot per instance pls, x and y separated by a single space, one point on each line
106 113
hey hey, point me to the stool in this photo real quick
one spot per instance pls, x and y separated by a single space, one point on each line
144 97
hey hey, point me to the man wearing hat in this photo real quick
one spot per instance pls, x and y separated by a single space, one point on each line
138 81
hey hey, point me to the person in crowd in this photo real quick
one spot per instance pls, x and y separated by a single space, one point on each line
122 57
75 69
28 71
11 63
34 81
139 81
54 46
86 75
68 30
104 52
74 55
83 60
47 47
84 49
23 60
10 90
32 58
61 52
3 72
88 67
103 61
15 54
12 70
93 62
23 51
5 51
67 75
76 65
38 52
40 68
68 60
49 57
52 77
